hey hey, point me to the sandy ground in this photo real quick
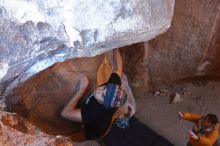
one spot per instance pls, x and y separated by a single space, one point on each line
156 111
202 97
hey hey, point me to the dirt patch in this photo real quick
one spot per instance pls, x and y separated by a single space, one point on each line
200 97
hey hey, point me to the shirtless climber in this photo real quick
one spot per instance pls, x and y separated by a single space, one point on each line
104 106
205 129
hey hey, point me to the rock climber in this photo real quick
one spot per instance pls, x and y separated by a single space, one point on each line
205 129
103 107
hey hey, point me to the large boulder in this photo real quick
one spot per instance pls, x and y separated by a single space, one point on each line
190 49
36 34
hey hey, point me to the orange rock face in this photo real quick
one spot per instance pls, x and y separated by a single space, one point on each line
41 99
15 130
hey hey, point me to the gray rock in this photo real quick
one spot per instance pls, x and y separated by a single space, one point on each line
36 34
156 93
176 98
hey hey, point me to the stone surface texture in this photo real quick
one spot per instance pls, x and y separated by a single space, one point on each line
41 99
35 34
134 58
189 48
191 45
16 131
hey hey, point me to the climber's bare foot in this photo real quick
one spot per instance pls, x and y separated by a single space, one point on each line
84 82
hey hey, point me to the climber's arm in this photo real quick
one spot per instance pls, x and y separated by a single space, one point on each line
191 117
70 111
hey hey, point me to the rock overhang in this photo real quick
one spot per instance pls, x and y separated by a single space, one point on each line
45 32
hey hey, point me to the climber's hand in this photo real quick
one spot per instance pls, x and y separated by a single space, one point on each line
193 135
180 115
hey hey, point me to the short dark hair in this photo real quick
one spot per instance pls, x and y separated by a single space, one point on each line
212 118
